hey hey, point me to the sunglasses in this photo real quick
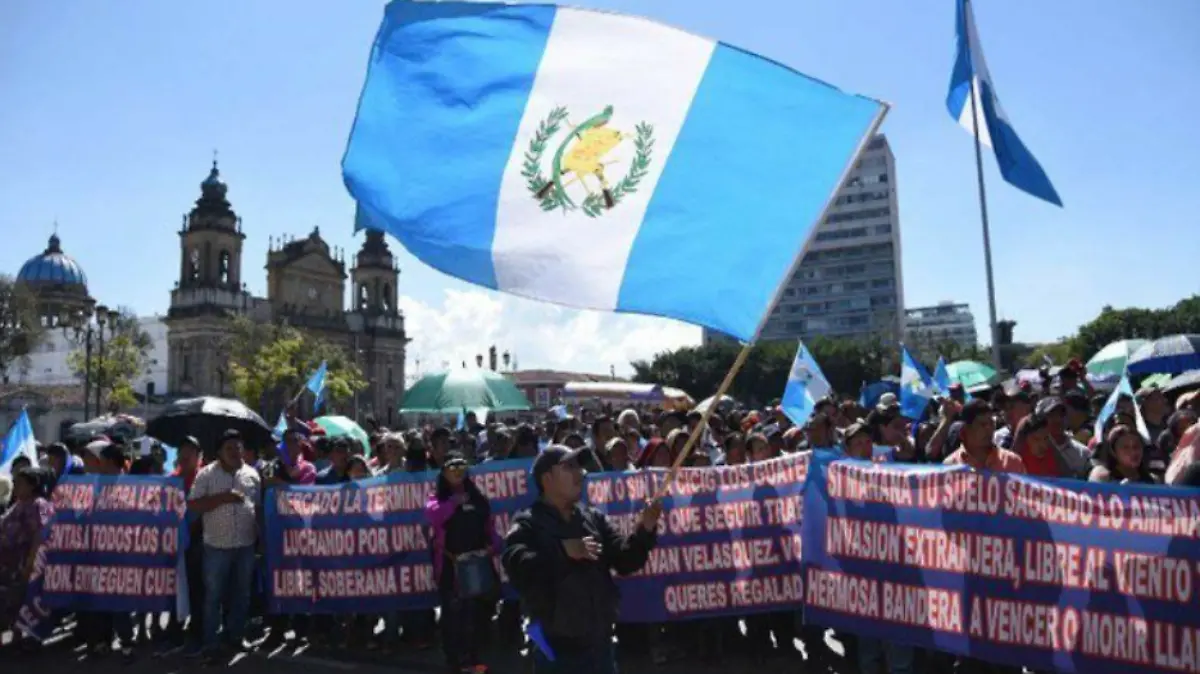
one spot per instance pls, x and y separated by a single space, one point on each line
457 468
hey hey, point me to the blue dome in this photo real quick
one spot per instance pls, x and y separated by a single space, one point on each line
53 267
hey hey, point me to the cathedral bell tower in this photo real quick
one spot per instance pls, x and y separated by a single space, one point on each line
211 240
209 291
378 340
375 275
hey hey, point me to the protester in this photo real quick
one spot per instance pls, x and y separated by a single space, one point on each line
1123 460
1031 442
20 536
226 492
464 540
978 448
104 457
560 555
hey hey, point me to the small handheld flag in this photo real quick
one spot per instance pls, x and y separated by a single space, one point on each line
916 386
941 378
806 385
316 384
970 80
1110 408
18 442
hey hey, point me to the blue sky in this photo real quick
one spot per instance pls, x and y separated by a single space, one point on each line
111 111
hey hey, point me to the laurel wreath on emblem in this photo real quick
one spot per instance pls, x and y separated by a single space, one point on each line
594 204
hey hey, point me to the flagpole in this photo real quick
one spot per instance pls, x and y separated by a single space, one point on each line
983 214
738 362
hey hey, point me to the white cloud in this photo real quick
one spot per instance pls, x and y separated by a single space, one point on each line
539 335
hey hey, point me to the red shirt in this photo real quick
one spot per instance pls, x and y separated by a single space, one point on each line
1041 466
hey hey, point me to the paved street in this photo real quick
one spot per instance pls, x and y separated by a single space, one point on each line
60 656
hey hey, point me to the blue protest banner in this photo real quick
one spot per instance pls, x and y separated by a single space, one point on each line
728 540
35 620
1052 575
113 545
364 547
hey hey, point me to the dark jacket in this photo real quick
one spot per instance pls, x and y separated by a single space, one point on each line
577 602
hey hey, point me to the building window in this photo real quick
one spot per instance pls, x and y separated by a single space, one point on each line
187 367
858 215
389 377
223 267
364 299
385 302
193 273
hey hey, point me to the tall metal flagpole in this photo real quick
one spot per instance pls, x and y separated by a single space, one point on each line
983 215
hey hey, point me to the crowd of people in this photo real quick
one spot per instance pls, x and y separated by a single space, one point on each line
1042 430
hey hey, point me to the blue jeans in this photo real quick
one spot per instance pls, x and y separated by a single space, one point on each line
872 653
599 660
228 579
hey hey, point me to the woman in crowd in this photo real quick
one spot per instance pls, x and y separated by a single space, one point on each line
1123 458
464 541
1032 443
20 536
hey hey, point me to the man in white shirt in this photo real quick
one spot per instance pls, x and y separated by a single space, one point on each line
226 494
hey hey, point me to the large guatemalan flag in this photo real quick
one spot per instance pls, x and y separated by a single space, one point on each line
971 79
596 160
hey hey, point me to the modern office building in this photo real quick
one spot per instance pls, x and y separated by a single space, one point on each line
930 327
849 283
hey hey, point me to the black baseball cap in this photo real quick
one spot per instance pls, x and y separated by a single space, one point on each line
550 457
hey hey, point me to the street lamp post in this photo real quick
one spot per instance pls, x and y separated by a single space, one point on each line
80 326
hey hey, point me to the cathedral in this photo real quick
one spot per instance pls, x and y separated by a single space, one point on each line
306 288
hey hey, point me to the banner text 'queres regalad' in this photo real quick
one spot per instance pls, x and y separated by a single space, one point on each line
728 540
114 544
1054 575
364 547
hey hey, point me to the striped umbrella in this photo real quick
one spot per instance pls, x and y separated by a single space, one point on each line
1172 354
1109 362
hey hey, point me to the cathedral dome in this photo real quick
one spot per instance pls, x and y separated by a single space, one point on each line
53 268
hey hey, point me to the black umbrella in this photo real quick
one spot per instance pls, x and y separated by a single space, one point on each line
119 427
207 419
1185 381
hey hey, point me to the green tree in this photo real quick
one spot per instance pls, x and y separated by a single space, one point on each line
1136 323
20 327
271 362
699 370
122 360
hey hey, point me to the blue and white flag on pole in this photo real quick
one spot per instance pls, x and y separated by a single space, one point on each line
806 385
916 386
1110 408
970 74
19 441
941 378
316 384
596 160
281 426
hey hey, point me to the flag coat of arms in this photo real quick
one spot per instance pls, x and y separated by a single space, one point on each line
596 160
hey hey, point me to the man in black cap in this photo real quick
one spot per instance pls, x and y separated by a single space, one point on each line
1074 457
560 556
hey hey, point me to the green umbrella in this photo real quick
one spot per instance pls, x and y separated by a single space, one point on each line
972 374
343 427
1157 380
451 392
1109 362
